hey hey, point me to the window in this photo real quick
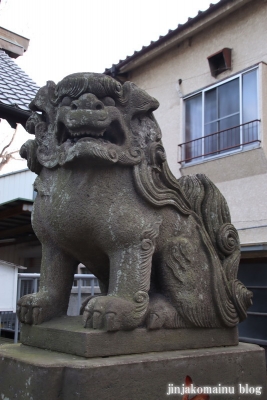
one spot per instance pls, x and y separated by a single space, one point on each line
221 119
253 274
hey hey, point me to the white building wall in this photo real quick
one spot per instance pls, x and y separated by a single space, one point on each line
17 185
242 178
242 31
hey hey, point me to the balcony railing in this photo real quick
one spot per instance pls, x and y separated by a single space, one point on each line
220 142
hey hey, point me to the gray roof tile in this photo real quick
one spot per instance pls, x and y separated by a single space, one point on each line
16 87
5 101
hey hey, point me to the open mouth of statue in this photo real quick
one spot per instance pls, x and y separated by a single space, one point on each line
112 134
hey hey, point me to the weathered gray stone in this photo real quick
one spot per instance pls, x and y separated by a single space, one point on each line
67 335
30 373
164 250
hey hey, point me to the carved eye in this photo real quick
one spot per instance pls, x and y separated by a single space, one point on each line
66 101
108 101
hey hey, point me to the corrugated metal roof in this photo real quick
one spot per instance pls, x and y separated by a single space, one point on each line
172 32
17 184
17 89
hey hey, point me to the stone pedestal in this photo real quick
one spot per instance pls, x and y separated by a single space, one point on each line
236 373
67 335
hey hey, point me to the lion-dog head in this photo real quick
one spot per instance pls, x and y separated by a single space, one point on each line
91 116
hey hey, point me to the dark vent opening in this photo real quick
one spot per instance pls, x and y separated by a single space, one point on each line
220 61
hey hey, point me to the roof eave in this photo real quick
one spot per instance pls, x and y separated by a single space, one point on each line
14 50
14 115
189 29
12 43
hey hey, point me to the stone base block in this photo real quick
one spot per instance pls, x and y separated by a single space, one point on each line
66 334
232 373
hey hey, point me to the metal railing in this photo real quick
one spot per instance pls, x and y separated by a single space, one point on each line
220 142
29 283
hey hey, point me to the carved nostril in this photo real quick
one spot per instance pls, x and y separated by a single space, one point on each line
74 106
99 106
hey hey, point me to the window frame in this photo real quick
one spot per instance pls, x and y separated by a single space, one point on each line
202 157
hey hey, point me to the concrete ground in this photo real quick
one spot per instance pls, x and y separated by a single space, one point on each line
4 340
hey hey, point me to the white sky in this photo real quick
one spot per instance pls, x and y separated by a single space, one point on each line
69 36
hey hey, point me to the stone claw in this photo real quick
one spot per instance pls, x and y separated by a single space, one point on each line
36 314
86 317
110 321
23 311
97 320
112 313
154 321
162 314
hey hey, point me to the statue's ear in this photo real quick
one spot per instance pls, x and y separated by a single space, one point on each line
139 101
29 152
32 121
51 87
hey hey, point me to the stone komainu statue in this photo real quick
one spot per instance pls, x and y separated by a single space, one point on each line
164 250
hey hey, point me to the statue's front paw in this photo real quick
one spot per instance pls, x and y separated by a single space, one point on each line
36 308
115 313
